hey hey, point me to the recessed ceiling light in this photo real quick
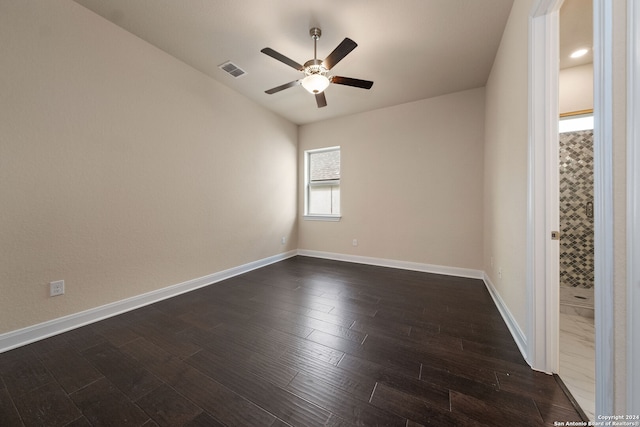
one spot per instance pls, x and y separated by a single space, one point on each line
578 53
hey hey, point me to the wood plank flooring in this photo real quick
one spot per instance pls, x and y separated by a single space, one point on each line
304 342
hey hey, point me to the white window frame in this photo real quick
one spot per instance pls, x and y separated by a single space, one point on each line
307 184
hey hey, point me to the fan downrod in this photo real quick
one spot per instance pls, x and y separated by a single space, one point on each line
314 66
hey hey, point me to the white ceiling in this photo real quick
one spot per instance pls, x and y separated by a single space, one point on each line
576 31
411 49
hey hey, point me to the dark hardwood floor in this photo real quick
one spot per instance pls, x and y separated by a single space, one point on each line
304 342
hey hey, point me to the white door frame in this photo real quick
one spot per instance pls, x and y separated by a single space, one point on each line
542 252
543 188
633 203
603 202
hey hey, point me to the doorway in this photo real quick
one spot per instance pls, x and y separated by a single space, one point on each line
543 256
577 326
576 204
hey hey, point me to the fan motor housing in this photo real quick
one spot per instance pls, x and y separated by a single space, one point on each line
314 66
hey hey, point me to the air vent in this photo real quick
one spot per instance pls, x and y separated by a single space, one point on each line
232 69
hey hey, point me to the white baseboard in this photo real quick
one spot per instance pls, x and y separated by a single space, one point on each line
53 327
403 265
57 326
516 332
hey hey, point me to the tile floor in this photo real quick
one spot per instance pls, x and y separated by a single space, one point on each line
577 359
576 300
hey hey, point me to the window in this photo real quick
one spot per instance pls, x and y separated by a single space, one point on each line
575 123
322 184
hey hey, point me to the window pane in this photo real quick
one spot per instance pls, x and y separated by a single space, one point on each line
324 165
335 200
322 185
324 200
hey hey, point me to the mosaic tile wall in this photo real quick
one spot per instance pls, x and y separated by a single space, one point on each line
576 209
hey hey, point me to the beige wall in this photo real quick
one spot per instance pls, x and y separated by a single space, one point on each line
411 182
505 165
575 89
122 170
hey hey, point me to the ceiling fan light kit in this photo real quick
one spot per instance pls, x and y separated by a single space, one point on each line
315 79
315 83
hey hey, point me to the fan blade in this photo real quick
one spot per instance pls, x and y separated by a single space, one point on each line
280 57
348 81
321 100
339 52
282 87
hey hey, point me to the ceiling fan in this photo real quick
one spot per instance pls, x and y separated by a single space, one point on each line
315 71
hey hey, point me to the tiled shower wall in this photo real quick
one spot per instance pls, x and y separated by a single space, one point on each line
576 209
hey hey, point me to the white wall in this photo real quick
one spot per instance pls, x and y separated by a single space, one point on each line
575 89
411 182
505 169
122 170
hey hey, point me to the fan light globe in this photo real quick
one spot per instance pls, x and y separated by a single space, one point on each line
315 83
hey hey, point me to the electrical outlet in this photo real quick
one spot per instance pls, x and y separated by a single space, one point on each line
283 240
56 288
355 242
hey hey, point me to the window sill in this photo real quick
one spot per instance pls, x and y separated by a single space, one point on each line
332 218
